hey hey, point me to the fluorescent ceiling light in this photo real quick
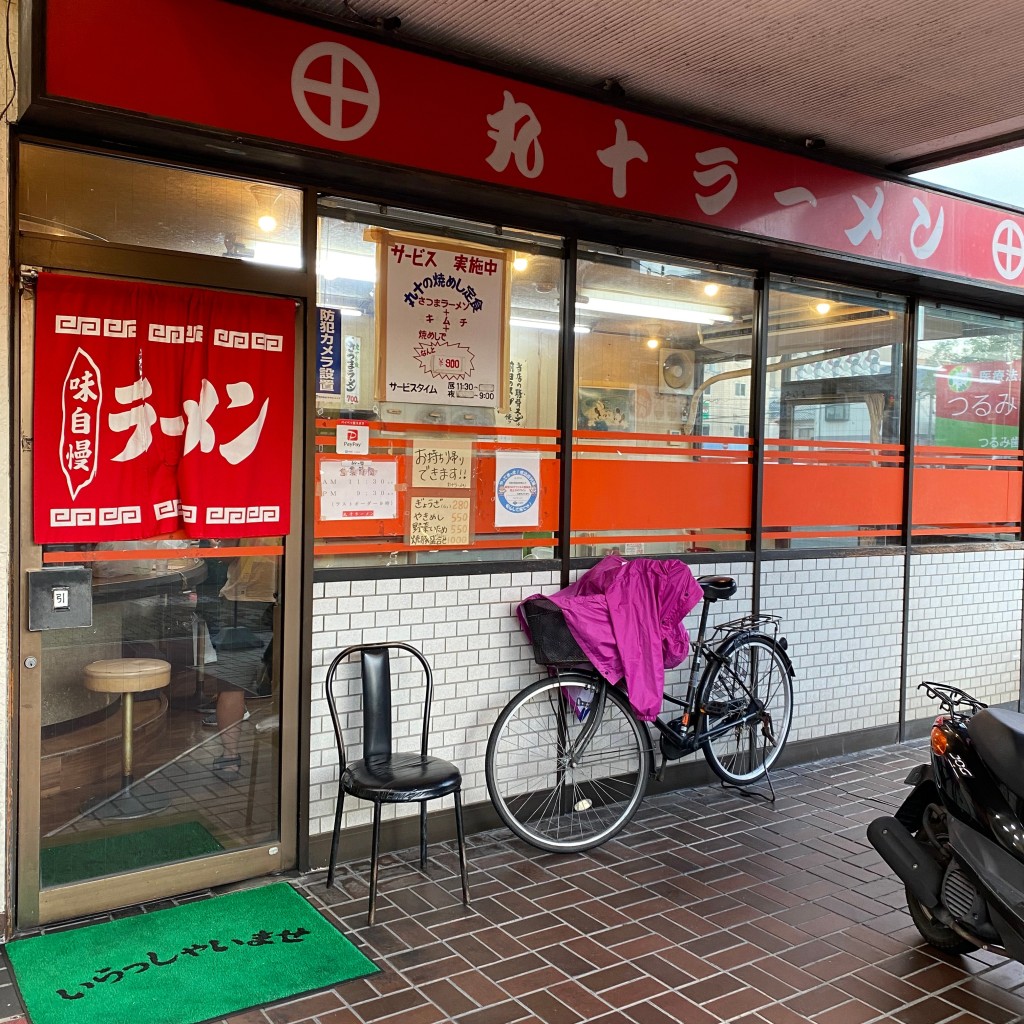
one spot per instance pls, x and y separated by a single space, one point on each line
856 319
276 254
654 310
544 325
349 265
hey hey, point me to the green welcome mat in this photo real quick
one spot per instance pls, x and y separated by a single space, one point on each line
191 963
109 855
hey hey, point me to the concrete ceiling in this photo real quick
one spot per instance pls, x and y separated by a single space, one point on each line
903 84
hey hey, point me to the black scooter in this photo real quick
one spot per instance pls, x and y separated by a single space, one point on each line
957 843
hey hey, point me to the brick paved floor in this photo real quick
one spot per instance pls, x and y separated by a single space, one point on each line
709 907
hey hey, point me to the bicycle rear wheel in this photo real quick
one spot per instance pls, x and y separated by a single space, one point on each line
567 763
746 701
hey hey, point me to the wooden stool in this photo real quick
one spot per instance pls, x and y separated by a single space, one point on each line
127 676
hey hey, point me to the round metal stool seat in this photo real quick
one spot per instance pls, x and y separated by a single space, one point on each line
128 676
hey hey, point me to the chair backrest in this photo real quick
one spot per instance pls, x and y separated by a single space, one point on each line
375 668
376 671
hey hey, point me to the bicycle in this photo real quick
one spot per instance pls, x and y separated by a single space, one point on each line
568 761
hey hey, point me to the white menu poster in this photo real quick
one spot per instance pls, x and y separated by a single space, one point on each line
444 333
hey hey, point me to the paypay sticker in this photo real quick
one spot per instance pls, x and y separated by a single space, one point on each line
353 438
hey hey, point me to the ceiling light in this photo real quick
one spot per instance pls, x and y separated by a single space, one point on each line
544 325
520 263
856 319
654 310
348 265
711 289
266 223
823 308
277 254
653 343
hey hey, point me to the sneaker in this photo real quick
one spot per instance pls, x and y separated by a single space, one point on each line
206 707
210 721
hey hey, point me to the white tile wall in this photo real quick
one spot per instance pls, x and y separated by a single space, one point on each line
965 625
843 619
467 630
841 616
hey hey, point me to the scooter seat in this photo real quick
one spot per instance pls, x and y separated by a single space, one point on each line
998 737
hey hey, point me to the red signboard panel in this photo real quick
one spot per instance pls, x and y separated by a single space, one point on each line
212 63
160 409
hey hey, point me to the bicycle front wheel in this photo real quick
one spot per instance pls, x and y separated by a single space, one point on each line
567 763
746 706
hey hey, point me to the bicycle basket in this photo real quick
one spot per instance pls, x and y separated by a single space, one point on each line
553 644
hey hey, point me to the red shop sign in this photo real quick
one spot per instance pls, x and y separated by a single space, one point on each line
321 89
160 409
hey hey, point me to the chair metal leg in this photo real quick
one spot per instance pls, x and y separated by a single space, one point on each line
423 834
374 854
462 847
334 837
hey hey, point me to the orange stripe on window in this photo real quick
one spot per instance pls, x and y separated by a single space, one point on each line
834 446
944 531
933 450
417 428
944 497
625 495
796 495
400 546
158 554
696 537
807 534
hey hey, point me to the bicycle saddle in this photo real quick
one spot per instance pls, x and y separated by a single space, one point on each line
717 588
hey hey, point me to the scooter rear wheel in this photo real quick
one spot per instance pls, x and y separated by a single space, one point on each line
934 933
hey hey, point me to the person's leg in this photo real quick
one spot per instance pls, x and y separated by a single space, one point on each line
230 711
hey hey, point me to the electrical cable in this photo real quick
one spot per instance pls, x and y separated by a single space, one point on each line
10 60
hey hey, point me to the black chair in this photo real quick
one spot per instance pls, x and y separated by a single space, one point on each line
383 775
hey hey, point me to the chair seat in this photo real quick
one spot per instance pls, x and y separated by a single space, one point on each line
401 777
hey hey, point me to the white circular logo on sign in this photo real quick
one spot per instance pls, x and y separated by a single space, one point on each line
1008 249
342 98
517 490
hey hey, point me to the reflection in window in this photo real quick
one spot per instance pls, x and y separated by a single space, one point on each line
206 617
661 347
431 465
75 195
833 472
967 420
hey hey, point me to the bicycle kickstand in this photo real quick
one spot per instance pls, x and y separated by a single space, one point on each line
747 791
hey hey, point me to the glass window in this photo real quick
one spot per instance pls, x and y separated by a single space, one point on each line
662 435
74 195
132 777
437 383
967 420
833 456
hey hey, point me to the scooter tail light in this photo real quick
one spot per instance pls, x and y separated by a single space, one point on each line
939 741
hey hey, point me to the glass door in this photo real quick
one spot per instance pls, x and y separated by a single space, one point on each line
152 705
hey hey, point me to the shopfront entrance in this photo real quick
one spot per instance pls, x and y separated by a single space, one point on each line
157 739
